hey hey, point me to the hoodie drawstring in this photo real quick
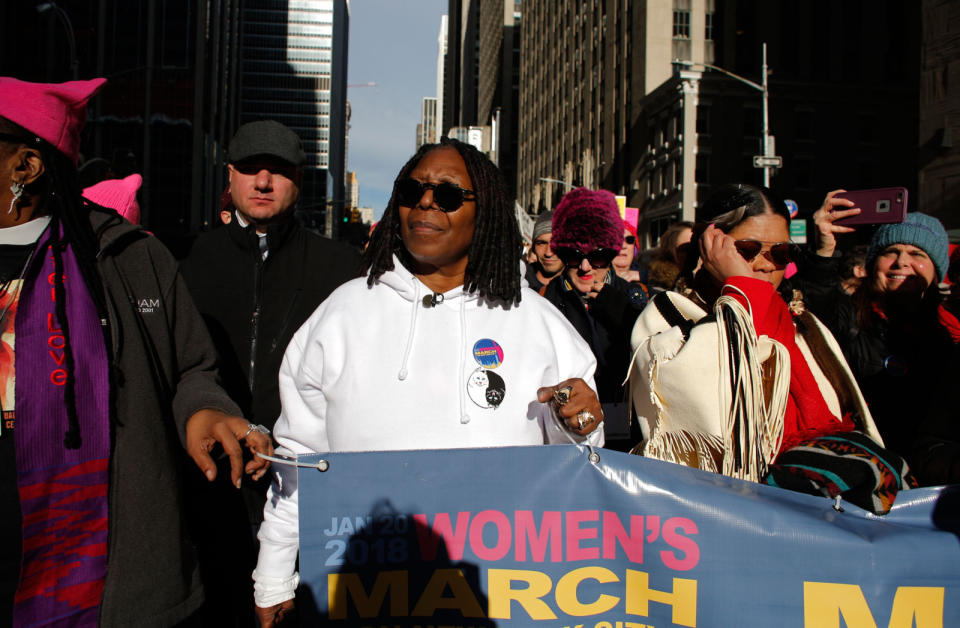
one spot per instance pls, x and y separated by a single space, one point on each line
464 417
402 375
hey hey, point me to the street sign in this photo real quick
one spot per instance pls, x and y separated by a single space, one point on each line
798 231
792 207
762 161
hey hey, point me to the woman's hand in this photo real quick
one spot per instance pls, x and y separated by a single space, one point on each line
720 256
579 398
206 428
823 218
596 286
273 615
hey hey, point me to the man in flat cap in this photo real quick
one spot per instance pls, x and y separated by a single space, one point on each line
255 280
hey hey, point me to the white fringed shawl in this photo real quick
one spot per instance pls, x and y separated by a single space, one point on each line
715 400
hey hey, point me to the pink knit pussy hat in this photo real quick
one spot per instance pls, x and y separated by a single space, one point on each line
587 219
118 194
55 112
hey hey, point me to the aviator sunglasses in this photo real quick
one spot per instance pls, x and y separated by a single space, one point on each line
598 258
780 253
447 196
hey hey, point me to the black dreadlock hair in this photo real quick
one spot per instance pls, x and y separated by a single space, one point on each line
492 259
70 215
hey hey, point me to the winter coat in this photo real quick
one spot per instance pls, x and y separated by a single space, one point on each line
164 370
253 306
898 369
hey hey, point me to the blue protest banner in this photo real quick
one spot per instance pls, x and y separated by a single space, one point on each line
528 536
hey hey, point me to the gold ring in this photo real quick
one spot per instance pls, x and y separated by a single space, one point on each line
585 418
562 395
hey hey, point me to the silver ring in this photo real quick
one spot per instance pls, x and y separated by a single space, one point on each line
562 395
256 428
585 418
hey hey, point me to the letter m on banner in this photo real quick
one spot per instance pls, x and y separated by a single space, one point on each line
825 603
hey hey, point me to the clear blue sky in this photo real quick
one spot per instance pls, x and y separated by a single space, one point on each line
393 43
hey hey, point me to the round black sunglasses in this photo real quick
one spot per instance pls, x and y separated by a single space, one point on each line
447 196
598 258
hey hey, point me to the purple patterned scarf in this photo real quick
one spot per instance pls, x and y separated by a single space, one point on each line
63 492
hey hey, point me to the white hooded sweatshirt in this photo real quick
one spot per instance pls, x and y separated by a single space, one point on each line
378 368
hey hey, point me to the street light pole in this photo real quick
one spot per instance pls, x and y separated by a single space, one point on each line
769 159
767 149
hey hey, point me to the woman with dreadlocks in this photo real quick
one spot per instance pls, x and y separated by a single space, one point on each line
114 374
438 347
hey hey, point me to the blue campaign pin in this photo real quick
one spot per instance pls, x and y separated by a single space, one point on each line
792 207
487 353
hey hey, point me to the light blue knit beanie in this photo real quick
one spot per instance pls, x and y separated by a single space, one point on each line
920 230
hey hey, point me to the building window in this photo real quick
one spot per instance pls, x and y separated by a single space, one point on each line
709 26
709 23
681 19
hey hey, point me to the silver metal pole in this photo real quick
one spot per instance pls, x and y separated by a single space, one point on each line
766 119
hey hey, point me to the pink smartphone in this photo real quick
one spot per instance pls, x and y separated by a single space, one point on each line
879 206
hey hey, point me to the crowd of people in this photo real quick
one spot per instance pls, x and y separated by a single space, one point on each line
125 373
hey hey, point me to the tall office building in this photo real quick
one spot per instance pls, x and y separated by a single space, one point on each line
462 64
441 74
940 112
294 64
603 105
584 66
427 129
498 80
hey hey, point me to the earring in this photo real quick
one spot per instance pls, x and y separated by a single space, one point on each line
17 189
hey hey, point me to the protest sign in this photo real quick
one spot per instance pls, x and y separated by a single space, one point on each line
527 536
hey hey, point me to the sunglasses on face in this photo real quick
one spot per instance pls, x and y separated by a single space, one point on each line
629 239
598 258
447 196
780 253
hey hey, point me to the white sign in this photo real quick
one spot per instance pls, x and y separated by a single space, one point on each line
762 161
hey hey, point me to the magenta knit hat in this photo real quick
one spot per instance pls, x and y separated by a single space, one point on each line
587 219
118 194
55 112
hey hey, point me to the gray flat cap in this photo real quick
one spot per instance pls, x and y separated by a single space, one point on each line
266 137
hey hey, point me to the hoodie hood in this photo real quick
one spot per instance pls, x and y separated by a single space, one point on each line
409 288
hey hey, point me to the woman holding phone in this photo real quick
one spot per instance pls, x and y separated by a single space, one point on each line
730 378
893 330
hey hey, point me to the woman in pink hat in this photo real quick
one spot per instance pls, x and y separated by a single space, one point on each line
114 376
